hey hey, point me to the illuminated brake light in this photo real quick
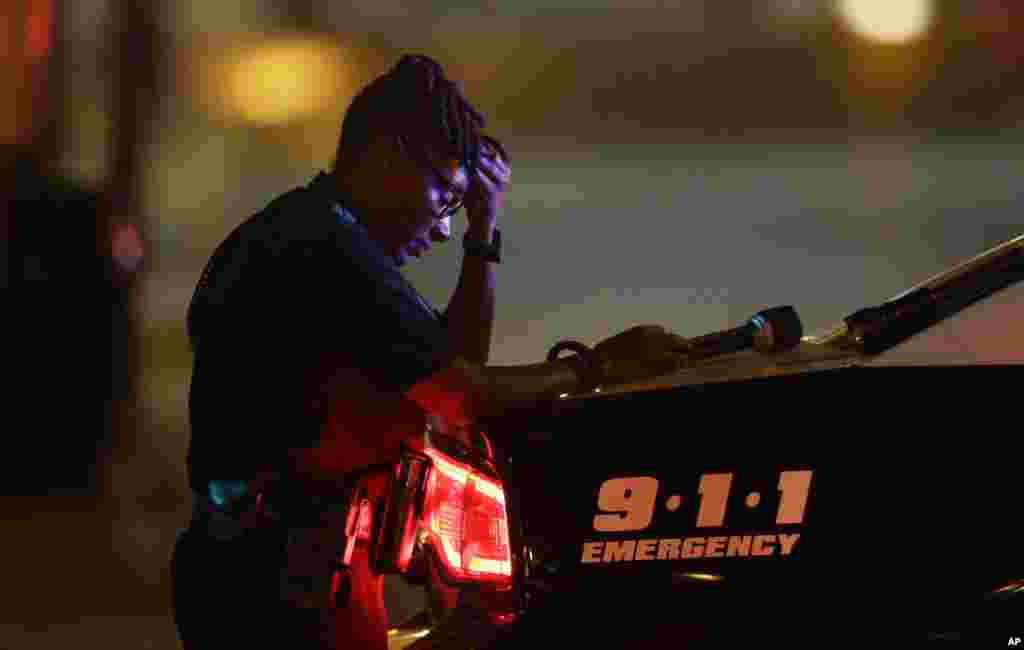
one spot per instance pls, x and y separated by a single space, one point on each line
39 28
452 470
489 488
364 525
490 566
466 521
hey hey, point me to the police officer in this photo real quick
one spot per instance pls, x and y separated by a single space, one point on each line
314 358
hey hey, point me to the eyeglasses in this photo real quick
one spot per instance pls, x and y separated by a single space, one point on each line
455 201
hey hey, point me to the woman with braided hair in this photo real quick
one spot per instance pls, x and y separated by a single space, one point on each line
314 358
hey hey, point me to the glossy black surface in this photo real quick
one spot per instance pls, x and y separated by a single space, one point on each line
913 512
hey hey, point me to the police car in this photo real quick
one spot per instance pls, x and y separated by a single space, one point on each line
862 484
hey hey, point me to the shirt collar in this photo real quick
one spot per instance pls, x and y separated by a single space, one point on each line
324 184
345 217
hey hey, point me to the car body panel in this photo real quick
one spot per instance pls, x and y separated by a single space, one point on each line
818 493
911 479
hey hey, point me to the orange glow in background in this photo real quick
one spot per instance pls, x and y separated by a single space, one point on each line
39 29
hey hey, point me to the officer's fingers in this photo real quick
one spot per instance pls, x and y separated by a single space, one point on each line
679 343
621 370
652 331
502 173
644 329
670 363
487 183
501 165
490 174
490 144
496 170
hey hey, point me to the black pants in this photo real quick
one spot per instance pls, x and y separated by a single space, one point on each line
226 595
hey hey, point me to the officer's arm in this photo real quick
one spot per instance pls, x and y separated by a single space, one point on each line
471 310
463 391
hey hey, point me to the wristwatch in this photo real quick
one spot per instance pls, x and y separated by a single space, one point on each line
490 252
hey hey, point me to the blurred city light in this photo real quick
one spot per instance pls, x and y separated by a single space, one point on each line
39 28
278 81
126 247
888 21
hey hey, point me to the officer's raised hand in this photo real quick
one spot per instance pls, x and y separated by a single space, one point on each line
486 195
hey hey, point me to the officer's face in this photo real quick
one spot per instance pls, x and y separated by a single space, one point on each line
427 190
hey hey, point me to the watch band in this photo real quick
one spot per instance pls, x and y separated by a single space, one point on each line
490 252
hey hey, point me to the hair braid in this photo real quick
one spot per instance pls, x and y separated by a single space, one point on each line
448 117
414 99
457 114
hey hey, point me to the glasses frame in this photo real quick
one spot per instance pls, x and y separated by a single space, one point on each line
455 201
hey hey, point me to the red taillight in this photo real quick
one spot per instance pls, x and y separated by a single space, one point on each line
464 515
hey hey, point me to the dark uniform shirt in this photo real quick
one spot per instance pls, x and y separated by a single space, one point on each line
298 282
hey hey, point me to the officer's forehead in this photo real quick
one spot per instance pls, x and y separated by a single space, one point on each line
442 158
448 163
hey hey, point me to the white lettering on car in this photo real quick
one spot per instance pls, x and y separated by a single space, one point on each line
689 548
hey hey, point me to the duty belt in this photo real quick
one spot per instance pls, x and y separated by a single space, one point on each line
229 508
314 533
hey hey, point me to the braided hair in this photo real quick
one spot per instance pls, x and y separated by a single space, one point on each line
417 101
